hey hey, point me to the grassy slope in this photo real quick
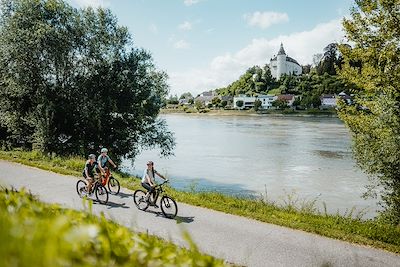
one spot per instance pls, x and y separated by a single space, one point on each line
39 234
373 233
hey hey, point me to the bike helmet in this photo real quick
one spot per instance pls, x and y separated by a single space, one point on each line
92 156
104 150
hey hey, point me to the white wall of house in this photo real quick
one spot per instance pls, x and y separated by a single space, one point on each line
329 102
248 101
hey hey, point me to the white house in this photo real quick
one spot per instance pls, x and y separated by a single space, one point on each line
289 99
328 101
205 97
283 64
248 101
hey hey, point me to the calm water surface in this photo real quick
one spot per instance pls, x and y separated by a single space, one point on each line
310 157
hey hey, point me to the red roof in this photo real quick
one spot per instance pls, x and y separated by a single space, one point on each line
285 97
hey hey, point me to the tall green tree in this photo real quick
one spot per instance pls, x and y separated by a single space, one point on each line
373 65
72 80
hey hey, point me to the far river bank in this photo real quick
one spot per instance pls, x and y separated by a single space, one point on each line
235 112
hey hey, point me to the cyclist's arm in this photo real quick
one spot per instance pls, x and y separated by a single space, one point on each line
112 162
86 171
159 175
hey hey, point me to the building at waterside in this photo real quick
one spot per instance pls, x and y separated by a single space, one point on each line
283 64
247 102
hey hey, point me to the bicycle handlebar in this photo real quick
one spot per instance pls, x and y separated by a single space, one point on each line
160 185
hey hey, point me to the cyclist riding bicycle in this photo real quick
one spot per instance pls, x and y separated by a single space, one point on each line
103 159
88 171
148 180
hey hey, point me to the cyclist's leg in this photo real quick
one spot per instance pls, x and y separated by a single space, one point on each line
90 184
148 188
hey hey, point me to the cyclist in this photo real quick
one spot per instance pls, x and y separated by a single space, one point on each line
148 180
103 159
88 173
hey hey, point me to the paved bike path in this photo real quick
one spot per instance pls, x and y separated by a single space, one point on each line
236 239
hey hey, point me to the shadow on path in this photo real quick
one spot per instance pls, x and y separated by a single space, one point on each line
111 204
124 195
178 219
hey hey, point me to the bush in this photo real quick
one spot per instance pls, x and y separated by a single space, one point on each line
38 234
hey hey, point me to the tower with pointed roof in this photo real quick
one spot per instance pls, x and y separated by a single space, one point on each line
283 64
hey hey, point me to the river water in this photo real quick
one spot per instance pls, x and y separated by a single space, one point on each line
305 157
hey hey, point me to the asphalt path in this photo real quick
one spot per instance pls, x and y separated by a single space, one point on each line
235 239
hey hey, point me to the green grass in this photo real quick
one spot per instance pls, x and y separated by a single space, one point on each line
373 233
37 234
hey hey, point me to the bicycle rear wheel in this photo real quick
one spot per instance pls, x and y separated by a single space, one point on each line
139 197
168 207
101 193
113 186
81 188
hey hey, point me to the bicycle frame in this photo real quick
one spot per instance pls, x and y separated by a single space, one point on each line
158 191
106 176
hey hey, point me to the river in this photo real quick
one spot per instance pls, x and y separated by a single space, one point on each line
304 157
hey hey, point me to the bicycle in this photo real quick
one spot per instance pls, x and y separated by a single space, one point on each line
111 182
100 191
168 205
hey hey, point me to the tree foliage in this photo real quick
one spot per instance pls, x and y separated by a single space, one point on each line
373 65
72 80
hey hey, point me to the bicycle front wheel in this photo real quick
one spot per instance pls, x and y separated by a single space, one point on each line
139 197
113 186
101 194
81 188
168 207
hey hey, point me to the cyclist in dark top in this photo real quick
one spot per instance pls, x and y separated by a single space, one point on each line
88 172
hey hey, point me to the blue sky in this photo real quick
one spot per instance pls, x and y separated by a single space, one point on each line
205 44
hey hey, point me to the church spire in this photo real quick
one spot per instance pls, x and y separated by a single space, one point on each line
281 50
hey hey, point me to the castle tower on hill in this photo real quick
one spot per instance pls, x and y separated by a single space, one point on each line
283 64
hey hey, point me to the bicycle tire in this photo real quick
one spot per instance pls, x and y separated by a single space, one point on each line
81 188
168 207
113 186
139 197
101 193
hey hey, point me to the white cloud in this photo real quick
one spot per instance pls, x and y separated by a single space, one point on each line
190 2
92 3
186 26
226 68
181 44
265 19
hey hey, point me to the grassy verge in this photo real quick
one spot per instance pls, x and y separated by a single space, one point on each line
38 234
373 233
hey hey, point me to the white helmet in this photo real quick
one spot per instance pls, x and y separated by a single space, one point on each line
104 150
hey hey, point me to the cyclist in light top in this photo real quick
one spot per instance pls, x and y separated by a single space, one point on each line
148 179
103 159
